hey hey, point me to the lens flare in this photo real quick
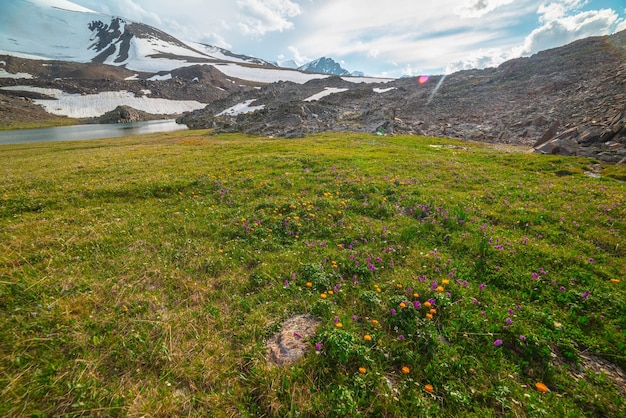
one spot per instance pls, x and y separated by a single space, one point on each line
423 79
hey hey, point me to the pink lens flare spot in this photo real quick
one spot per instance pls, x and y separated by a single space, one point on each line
423 79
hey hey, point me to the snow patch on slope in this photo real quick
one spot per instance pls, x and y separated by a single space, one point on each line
94 105
240 108
326 92
379 90
5 74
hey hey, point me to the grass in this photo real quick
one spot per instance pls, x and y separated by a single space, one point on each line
142 276
41 123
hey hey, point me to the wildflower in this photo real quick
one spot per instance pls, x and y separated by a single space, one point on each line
508 321
286 283
416 295
445 281
522 338
417 304
405 370
429 316
339 325
323 295
362 370
401 337
399 286
497 343
585 295
403 305
318 346
330 292
562 288
374 322
367 337
309 284
336 319
440 289
481 287
433 310
427 304
614 280
393 311
429 388
541 387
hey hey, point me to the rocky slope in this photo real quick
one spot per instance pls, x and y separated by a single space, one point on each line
569 100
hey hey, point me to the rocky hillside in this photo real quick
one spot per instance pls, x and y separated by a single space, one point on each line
569 100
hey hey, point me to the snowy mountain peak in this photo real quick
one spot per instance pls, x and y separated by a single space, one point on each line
324 65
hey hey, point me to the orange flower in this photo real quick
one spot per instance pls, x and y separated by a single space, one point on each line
440 289
330 292
541 387
427 304
429 388
399 286
429 316
309 284
405 370
433 310
403 305
416 295
445 281
367 337
339 325
362 370
323 295
374 322
614 280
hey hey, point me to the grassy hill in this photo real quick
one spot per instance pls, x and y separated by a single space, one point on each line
143 277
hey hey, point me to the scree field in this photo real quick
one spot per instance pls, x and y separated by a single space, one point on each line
144 276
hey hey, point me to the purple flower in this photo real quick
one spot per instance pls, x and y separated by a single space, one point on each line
509 321
318 346
474 301
510 311
562 288
336 319
401 337
298 336
535 276
591 260
586 294
354 317
522 338
417 304
393 311
286 283
481 287
497 343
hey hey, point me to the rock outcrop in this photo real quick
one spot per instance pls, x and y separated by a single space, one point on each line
569 101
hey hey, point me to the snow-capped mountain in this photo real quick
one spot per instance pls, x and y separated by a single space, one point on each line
324 65
62 30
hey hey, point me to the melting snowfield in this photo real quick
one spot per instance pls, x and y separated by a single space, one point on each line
326 92
240 108
94 105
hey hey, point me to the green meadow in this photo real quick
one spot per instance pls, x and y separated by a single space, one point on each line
143 276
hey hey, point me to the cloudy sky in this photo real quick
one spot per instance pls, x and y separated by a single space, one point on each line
387 38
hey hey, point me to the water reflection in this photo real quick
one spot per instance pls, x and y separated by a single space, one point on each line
82 132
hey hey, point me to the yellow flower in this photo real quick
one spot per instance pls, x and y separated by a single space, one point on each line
445 281
440 289
323 295
405 370
367 337
339 325
374 322
330 292
614 280
362 370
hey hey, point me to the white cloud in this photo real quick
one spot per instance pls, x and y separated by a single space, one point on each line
258 17
479 8
297 57
564 30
